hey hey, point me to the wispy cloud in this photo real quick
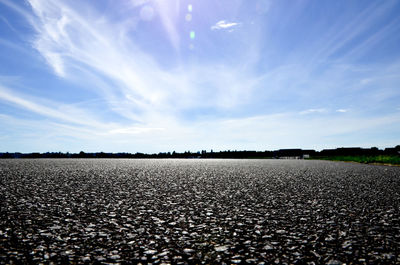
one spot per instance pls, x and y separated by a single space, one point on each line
131 82
23 12
135 130
9 24
286 130
62 112
342 34
310 111
169 12
67 41
136 3
67 120
224 25
142 90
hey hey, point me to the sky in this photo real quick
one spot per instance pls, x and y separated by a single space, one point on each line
163 75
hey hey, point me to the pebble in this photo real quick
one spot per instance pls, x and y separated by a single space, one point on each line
150 252
198 212
221 248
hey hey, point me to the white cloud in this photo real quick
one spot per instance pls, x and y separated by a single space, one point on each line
55 60
130 81
285 130
70 41
224 25
136 3
63 120
150 99
310 111
18 9
135 130
169 13
341 35
366 81
50 109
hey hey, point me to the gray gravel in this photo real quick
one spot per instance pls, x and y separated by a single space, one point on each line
198 211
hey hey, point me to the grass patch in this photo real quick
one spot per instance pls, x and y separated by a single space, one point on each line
381 159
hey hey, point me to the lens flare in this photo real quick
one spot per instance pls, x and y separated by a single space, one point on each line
147 13
190 8
192 35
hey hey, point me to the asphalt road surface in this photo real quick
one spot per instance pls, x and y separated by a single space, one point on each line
198 212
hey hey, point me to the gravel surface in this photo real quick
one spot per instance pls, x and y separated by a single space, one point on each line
198 211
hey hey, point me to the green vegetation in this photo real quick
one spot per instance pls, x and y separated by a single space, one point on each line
379 159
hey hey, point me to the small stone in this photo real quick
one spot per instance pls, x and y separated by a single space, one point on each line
334 262
387 255
150 252
268 247
329 238
188 250
100 258
315 254
221 248
346 244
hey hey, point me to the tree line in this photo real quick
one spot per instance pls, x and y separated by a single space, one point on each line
281 153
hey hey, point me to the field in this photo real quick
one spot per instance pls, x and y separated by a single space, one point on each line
381 159
198 211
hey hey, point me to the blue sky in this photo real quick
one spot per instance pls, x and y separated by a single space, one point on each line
164 75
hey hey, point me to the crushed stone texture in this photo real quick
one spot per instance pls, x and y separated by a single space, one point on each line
198 212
